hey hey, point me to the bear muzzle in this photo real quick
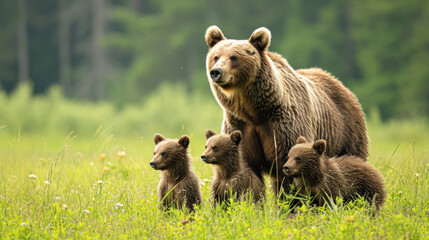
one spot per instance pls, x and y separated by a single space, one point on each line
208 159
152 164
216 74
286 170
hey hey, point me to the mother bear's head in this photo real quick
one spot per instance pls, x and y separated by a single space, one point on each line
234 63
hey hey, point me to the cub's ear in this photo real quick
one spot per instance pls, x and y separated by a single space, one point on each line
319 146
236 137
209 133
261 39
184 141
158 138
213 36
301 139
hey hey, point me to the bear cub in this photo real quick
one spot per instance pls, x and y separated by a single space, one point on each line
232 176
326 178
179 185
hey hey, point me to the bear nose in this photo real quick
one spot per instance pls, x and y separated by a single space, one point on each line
286 169
153 165
215 74
203 157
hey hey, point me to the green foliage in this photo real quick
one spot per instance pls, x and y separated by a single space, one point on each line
170 110
379 49
392 49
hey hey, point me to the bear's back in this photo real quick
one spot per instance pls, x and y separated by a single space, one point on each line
343 105
362 179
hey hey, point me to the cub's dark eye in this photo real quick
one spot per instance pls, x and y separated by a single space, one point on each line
215 59
234 58
215 148
163 154
205 147
154 153
297 159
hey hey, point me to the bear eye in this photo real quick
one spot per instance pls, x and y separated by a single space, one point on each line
297 159
205 147
215 148
215 59
234 58
154 153
163 154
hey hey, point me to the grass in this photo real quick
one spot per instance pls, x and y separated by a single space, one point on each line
79 194
61 175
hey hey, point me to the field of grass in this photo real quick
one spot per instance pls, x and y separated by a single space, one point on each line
100 185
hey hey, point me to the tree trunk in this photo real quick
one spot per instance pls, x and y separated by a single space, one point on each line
136 5
97 81
64 44
22 43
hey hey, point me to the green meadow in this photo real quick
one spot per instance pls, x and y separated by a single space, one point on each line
72 169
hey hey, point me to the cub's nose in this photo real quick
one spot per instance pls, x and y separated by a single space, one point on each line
204 158
286 169
216 74
153 165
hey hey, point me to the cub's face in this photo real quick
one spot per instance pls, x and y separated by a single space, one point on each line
168 152
220 146
304 157
234 63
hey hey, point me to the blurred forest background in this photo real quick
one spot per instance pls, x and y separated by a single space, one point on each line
101 58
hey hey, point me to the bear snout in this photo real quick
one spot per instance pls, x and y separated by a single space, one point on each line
216 74
286 169
152 164
204 158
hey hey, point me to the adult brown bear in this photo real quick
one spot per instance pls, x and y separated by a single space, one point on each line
272 104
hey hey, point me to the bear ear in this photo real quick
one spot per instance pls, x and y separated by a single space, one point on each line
236 137
209 133
184 141
158 138
319 146
213 36
261 39
301 139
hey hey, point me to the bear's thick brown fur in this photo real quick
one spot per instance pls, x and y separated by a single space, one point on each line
272 104
326 178
232 176
179 185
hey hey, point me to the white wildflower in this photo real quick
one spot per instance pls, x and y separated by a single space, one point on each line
47 182
32 176
86 211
